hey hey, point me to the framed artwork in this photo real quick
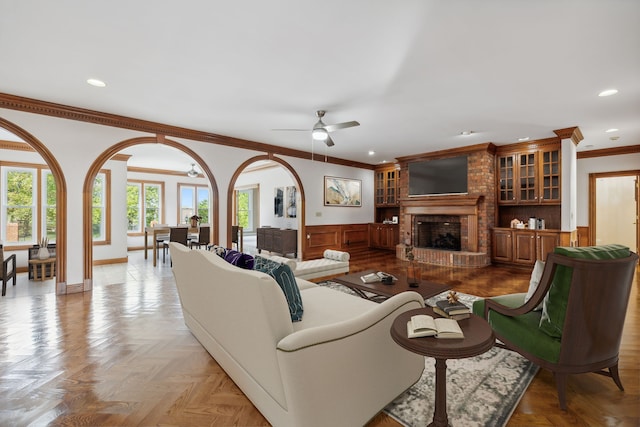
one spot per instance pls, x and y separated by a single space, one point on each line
342 191
290 206
278 202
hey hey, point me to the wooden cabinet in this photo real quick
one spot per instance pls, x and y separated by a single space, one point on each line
384 236
386 186
546 241
277 240
524 247
529 177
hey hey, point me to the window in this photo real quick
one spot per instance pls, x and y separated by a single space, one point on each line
100 207
246 212
28 204
49 206
144 201
194 200
19 205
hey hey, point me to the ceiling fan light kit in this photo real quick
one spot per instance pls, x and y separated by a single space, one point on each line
320 131
192 173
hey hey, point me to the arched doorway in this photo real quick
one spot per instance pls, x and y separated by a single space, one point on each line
61 200
88 186
298 183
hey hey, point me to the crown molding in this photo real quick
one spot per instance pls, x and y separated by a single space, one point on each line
36 106
614 151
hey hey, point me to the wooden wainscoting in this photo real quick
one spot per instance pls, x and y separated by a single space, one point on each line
583 236
343 237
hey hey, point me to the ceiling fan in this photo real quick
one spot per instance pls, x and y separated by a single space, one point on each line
320 131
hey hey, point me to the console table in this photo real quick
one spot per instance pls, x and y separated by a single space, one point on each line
277 240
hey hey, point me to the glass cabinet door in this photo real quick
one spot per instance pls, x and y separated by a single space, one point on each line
550 173
527 176
391 187
507 179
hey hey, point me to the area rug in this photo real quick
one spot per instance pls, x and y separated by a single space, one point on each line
481 391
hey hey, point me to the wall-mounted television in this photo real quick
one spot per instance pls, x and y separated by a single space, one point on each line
438 176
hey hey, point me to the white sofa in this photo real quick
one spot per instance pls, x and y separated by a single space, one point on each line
336 367
332 263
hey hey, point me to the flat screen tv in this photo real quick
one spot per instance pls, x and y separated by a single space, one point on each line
438 176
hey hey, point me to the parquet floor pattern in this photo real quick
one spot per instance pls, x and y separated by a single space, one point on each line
122 356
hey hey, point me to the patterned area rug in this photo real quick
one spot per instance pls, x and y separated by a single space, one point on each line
481 391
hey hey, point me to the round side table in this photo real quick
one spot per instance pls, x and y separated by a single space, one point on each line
478 338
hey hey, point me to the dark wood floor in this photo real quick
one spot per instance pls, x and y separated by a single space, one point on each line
121 355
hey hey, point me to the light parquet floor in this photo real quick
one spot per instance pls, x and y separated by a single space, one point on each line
122 356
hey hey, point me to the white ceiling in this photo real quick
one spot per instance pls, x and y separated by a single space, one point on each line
414 73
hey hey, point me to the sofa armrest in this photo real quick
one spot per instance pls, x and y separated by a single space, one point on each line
324 334
352 369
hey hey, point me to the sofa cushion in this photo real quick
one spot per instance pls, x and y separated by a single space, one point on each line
319 265
239 259
284 276
534 281
555 303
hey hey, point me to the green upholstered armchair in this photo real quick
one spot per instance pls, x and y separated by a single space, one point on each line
584 292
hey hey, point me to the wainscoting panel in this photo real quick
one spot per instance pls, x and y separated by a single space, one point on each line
343 237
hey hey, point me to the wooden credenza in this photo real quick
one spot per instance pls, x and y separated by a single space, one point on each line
277 240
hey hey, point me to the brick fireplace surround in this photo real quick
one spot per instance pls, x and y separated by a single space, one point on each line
476 211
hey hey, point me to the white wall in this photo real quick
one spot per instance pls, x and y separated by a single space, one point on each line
597 165
76 145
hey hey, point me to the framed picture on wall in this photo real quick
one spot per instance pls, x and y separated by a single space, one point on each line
278 202
342 191
290 204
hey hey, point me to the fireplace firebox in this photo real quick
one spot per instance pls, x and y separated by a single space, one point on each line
437 232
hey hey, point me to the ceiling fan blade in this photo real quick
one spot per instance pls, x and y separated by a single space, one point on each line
331 128
329 141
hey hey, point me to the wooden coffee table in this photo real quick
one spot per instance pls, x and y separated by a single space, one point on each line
478 338
425 288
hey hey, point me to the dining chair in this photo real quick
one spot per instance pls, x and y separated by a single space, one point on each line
8 271
176 234
203 237
236 237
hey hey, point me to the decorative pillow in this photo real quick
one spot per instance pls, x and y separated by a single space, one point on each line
286 280
536 275
555 303
283 274
221 251
265 265
239 259
336 255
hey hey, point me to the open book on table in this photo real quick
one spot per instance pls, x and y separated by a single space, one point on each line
423 325
376 277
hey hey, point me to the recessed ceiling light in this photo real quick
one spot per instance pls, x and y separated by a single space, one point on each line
608 92
96 83
614 138
466 132
588 146
525 138
611 130
371 152
383 161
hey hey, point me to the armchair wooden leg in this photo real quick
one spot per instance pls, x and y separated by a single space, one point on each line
616 377
561 384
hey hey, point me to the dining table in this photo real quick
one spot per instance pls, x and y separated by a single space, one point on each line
160 230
